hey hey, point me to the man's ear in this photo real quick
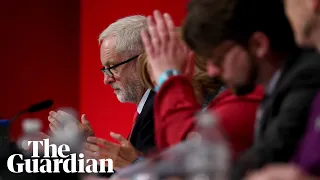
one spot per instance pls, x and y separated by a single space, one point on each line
139 57
259 45
137 61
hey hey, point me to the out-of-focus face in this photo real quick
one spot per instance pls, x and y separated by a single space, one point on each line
125 81
234 66
301 14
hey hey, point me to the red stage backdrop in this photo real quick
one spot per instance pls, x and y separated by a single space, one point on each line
97 100
39 56
49 50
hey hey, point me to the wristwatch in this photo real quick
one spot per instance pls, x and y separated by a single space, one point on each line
165 76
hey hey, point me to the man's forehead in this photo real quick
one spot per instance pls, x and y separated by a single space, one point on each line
108 54
108 43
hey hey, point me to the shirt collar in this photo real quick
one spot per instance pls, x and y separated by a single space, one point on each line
143 101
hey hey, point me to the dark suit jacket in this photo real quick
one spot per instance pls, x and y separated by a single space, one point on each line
142 136
285 114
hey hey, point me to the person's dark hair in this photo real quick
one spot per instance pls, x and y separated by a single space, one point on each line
209 22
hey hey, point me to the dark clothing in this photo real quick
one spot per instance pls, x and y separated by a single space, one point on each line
308 156
142 136
284 115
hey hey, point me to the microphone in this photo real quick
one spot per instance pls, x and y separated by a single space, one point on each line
34 108
9 147
40 106
5 143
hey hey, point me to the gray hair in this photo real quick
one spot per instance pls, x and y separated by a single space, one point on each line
126 32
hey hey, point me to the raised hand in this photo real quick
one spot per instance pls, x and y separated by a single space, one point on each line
164 48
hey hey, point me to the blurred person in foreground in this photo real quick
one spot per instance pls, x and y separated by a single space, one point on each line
281 172
246 44
237 114
304 18
205 87
120 48
176 104
243 47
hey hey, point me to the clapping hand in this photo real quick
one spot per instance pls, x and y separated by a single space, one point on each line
122 154
56 118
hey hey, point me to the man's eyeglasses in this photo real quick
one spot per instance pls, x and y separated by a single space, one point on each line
108 70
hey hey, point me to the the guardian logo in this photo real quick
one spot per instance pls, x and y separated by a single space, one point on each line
46 164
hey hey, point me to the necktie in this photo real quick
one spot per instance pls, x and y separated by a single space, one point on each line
135 116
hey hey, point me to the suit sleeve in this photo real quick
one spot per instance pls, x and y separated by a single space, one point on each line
174 108
282 136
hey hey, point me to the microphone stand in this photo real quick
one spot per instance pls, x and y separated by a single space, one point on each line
6 146
17 115
5 142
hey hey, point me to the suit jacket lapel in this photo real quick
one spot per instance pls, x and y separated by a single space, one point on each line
267 106
148 106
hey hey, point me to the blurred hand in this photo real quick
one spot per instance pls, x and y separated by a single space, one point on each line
56 117
164 49
44 135
122 154
280 172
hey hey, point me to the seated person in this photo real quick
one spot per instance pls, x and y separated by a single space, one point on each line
206 88
237 114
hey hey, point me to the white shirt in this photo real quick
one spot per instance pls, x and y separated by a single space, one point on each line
143 101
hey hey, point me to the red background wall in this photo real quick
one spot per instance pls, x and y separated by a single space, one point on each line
49 49
39 56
